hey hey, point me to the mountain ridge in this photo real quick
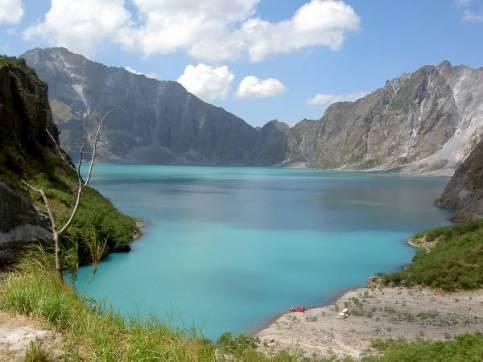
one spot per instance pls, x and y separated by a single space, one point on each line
155 121
427 121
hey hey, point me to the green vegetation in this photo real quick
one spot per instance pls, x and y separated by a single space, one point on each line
93 333
35 353
454 263
467 348
27 153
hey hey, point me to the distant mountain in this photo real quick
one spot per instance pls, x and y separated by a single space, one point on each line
424 121
153 121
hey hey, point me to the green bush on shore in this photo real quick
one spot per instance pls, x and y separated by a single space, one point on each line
455 262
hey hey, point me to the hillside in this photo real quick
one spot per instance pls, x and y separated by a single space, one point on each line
26 153
423 121
154 121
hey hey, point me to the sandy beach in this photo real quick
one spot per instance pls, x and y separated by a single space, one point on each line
376 313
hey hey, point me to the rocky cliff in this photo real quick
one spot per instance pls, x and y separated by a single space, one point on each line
464 192
24 116
424 121
27 153
155 121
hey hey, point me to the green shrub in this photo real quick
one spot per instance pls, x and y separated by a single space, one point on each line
455 263
466 348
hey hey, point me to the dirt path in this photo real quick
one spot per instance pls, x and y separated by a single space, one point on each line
17 332
376 313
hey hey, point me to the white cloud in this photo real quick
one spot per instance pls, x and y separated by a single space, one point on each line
252 87
83 25
209 30
134 71
326 100
11 11
207 82
470 14
317 23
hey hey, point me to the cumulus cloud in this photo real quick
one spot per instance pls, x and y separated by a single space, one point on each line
134 71
11 11
83 25
209 30
252 87
326 100
207 82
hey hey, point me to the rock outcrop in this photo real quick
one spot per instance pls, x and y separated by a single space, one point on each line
28 153
24 116
464 193
153 121
425 121
20 223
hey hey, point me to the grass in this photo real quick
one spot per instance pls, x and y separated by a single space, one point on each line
35 353
28 154
94 333
466 348
455 263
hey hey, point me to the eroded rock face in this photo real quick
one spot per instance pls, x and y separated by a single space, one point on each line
153 121
425 121
464 192
24 118
20 224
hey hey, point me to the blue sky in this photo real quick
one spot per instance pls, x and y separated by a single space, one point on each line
376 40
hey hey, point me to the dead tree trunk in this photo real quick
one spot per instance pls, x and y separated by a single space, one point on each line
57 232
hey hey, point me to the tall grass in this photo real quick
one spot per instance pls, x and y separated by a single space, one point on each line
94 333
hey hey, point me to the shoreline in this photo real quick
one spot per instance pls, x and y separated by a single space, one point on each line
404 313
333 299
411 242
409 313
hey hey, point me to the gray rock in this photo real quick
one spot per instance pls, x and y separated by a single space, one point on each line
425 121
464 193
20 224
153 121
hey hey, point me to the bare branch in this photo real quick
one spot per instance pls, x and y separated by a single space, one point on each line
59 150
94 147
46 203
83 184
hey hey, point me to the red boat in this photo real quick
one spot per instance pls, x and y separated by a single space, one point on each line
298 308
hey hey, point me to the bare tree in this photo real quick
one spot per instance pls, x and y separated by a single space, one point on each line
58 231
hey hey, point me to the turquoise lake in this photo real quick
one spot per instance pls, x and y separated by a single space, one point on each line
228 248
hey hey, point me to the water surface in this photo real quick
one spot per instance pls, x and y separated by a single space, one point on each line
226 248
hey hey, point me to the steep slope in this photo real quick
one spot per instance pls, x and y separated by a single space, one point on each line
27 153
155 121
464 192
424 121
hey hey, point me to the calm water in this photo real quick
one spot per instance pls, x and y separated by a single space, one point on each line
226 249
